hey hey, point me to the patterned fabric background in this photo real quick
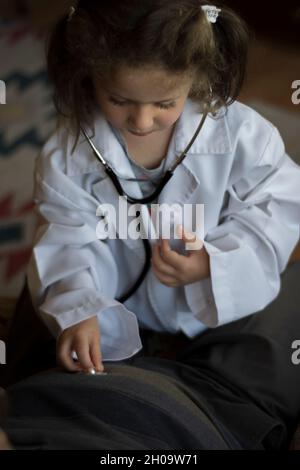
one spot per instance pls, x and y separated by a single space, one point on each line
26 120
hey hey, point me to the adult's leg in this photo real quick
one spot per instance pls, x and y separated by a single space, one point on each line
240 375
243 370
129 408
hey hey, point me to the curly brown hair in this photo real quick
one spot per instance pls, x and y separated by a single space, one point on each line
173 35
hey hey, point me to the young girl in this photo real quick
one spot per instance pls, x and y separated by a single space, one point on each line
135 79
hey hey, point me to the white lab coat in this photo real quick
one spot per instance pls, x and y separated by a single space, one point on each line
237 168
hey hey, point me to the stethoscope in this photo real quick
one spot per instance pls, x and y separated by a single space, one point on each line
144 200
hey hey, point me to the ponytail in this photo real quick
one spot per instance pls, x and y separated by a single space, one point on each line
231 40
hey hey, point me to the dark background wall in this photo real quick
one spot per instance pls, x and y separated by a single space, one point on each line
277 20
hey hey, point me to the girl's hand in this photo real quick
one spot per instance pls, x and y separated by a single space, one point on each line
173 269
84 339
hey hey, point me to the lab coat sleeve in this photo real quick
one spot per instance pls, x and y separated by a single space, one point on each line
251 246
63 272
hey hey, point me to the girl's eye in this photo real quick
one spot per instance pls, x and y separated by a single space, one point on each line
123 103
116 102
167 106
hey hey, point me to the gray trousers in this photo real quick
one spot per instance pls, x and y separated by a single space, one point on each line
233 387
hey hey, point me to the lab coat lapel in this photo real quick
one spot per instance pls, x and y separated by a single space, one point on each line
183 182
213 139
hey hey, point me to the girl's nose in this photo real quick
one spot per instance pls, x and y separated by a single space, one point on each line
141 119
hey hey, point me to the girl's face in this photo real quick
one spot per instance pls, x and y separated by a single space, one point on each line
141 102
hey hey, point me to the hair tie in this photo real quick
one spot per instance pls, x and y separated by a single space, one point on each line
212 12
71 13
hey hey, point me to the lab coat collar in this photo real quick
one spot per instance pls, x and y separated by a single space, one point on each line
214 138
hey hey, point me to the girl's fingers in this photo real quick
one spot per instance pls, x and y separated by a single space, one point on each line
192 243
64 356
171 257
82 348
165 279
95 353
160 264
